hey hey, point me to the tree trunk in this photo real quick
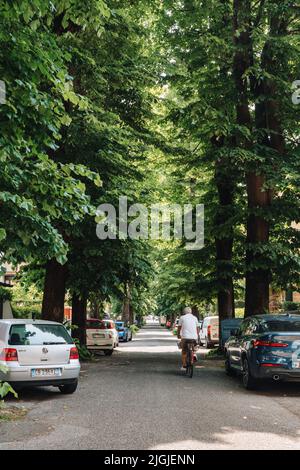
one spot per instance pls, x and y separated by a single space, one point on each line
268 123
54 291
257 276
195 311
79 318
224 244
131 314
126 305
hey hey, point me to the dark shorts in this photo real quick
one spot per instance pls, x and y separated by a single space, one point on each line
185 342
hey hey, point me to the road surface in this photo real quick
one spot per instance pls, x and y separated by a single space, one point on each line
138 399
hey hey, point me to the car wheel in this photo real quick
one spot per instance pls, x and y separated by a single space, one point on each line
248 380
68 388
108 352
228 369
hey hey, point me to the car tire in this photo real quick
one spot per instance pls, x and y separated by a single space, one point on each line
249 381
228 369
68 389
108 352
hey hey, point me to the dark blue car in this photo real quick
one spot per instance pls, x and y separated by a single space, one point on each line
265 347
124 332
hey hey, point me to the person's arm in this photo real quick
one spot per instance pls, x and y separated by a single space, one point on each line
179 328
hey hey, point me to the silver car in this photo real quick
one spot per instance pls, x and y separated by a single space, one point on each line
36 353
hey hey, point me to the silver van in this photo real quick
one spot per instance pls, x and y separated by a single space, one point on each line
38 353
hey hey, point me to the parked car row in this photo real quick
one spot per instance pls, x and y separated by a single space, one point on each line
39 352
105 335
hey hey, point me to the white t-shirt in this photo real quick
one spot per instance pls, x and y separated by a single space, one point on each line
189 325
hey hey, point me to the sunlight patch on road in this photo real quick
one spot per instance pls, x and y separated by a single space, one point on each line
151 349
229 438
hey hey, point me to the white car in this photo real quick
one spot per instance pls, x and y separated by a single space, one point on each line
209 332
101 335
36 353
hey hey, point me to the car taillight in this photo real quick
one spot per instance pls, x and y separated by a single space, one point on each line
271 364
209 330
74 353
9 355
268 344
110 334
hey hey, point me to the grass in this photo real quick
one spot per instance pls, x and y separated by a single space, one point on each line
11 413
214 354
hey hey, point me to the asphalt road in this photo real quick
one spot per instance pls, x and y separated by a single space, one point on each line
138 399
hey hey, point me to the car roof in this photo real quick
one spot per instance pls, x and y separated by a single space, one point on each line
22 321
280 316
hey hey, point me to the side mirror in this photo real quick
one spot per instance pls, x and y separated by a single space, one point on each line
235 332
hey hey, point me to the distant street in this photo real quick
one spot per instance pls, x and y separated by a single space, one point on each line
138 399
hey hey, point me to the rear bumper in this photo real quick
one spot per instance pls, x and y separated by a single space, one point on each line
22 374
97 347
42 383
285 375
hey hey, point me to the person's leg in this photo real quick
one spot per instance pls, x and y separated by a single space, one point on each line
183 353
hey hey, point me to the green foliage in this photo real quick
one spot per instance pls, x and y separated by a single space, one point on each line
84 353
5 294
26 311
134 329
5 387
290 306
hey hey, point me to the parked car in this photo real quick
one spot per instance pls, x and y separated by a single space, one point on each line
124 332
101 335
265 347
37 353
209 332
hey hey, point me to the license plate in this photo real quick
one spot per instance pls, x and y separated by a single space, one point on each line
45 372
296 365
98 336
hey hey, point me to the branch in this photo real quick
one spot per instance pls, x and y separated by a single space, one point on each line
259 13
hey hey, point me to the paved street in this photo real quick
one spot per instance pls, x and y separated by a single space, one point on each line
138 399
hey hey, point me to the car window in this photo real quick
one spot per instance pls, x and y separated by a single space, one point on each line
280 325
244 327
37 334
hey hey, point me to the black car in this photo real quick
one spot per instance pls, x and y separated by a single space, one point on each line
265 347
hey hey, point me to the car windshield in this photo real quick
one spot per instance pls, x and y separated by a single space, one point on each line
37 334
99 325
119 326
281 325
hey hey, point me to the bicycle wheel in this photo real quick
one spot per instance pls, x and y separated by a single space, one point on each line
190 367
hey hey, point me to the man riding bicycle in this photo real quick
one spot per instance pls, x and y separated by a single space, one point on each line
188 331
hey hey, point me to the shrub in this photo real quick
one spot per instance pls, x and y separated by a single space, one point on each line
5 294
291 306
134 329
5 388
26 311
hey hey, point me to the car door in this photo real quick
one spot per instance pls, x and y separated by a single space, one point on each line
203 330
236 345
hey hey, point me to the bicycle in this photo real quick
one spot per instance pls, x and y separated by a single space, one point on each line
190 359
